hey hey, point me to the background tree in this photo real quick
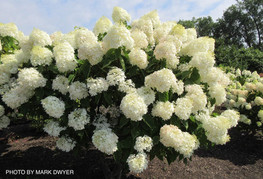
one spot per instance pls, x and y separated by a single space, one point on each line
242 24
238 34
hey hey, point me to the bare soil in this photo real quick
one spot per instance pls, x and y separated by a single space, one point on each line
21 147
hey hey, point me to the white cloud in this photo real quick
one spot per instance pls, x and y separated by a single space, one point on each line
63 15
219 10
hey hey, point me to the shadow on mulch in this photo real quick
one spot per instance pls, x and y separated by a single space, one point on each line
39 158
240 150
21 147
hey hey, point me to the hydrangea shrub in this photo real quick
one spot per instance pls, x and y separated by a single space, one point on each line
135 90
245 94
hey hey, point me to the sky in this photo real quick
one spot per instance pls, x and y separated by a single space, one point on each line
64 15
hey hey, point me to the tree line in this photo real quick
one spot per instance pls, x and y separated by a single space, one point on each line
238 34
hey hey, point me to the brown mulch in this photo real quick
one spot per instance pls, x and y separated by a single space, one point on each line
21 147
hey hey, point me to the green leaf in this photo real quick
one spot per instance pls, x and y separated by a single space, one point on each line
135 132
126 143
84 103
101 36
53 68
117 155
85 69
214 114
163 96
81 134
133 71
156 140
171 155
108 98
195 77
192 118
152 155
175 121
185 74
123 121
185 59
181 157
149 121
122 64
185 123
39 93
81 62
212 101
97 99
109 57
185 161
71 78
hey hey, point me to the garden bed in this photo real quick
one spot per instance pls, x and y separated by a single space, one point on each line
22 148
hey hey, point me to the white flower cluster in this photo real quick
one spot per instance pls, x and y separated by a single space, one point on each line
2 110
201 44
182 142
9 64
140 38
245 97
138 57
163 30
53 106
31 78
58 38
39 38
147 94
120 15
78 119
53 128
137 163
179 32
133 106
162 80
78 90
102 26
260 115
217 127
258 101
97 85
101 122
183 108
118 36
41 56
147 24
127 86
4 122
196 94
65 144
84 36
112 110
105 140
9 29
17 96
93 52
194 100
61 84
163 110
64 56
143 143
115 76
203 60
167 50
